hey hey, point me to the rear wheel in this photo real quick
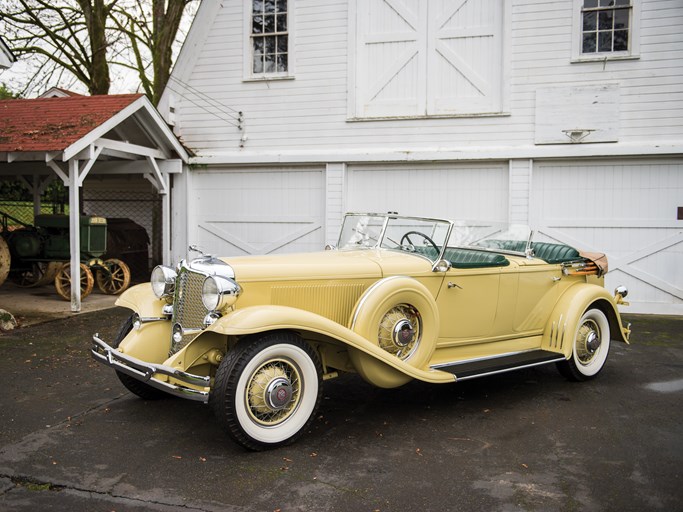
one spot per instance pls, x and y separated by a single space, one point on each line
40 274
266 391
136 387
114 277
5 259
63 281
590 348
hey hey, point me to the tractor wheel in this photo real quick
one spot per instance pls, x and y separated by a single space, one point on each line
63 281
113 277
40 274
5 259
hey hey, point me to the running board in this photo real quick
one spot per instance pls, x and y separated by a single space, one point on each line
471 369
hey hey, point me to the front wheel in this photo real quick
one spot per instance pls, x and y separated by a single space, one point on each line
267 391
63 281
590 348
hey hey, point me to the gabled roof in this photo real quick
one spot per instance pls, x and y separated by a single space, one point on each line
54 124
58 92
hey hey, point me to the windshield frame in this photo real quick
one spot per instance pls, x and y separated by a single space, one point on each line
386 218
465 234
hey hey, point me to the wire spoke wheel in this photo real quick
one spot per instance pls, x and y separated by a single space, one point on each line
400 331
273 392
590 348
114 277
63 281
267 390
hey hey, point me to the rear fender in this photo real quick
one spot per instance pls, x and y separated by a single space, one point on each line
384 369
563 323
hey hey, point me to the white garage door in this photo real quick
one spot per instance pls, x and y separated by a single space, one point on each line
628 210
239 212
463 191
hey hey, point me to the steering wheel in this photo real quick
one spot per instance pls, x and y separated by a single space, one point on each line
406 237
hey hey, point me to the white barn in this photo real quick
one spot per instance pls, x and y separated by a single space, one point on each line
563 114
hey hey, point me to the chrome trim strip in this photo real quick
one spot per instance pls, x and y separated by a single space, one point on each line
365 297
505 370
144 372
148 319
477 359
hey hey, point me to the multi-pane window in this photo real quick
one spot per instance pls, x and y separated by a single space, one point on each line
269 37
605 26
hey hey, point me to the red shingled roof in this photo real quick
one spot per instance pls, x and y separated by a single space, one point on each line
53 124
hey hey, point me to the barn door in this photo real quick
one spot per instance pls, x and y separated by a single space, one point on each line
465 57
428 57
391 57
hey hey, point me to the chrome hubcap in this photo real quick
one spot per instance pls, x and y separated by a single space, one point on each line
278 393
404 333
588 341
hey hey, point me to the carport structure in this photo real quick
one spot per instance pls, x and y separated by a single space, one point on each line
75 137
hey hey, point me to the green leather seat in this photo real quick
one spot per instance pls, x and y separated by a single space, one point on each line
554 253
469 258
548 252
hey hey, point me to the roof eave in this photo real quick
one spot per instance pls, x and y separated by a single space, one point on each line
142 103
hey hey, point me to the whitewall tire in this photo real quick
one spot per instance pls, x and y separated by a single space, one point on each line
590 347
267 390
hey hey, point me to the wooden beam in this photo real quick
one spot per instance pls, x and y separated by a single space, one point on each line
127 147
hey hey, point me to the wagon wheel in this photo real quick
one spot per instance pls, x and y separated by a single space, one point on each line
40 274
4 260
113 277
63 281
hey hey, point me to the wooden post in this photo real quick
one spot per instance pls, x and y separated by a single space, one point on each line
75 236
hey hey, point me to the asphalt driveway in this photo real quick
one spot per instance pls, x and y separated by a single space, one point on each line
72 438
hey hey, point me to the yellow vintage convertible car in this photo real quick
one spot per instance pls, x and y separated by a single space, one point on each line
401 298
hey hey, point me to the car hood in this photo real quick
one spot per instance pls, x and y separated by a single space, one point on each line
357 264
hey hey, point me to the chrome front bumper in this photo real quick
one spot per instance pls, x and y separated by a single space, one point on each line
145 372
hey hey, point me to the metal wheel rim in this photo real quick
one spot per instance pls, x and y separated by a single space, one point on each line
387 326
267 379
586 350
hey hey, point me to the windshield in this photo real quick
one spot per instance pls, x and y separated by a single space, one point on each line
490 235
427 237
423 236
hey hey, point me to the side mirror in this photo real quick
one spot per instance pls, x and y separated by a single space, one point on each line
442 266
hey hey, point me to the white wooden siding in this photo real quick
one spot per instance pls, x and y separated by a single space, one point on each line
257 211
628 211
520 186
309 113
474 191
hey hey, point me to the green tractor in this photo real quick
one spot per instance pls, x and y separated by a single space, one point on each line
36 255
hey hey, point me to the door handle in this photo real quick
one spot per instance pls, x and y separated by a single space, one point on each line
453 285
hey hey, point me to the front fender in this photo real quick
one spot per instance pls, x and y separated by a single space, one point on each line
257 319
563 323
141 299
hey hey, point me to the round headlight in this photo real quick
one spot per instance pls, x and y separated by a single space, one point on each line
219 292
163 281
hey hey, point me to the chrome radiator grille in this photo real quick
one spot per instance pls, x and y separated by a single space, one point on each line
188 309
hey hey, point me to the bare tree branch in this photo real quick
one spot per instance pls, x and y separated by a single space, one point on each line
63 41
